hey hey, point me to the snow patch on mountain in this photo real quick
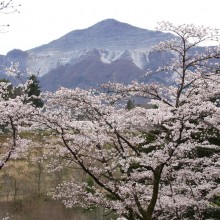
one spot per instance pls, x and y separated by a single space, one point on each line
138 57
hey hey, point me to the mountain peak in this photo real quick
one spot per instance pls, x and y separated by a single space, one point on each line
113 25
108 34
108 21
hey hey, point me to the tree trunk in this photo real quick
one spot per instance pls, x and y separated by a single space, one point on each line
153 201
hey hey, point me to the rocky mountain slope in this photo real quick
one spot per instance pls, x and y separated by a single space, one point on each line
107 51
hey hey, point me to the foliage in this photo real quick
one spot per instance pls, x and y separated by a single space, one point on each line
15 117
8 89
130 104
144 162
33 91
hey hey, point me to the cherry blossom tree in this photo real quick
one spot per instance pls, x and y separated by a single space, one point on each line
16 114
156 163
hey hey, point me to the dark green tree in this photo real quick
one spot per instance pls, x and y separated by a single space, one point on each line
34 91
130 104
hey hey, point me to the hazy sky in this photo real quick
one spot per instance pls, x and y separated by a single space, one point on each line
41 21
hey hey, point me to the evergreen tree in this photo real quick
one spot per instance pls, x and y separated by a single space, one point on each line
130 104
34 91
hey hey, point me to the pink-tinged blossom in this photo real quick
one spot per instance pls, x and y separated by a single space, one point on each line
145 163
16 116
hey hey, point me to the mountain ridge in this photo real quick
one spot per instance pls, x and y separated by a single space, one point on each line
108 34
111 42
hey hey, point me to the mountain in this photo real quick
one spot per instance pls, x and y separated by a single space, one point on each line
107 51
108 34
90 72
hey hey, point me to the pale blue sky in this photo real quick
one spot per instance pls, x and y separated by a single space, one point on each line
41 21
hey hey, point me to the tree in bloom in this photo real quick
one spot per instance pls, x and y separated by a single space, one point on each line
156 163
16 112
